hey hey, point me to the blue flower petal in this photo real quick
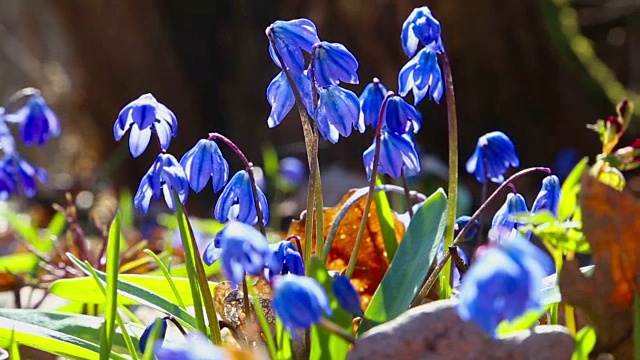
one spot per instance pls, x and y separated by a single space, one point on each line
333 63
339 108
290 39
370 103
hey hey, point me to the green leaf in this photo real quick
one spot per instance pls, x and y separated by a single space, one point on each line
569 192
111 304
22 225
56 225
585 341
523 322
14 351
386 218
153 337
167 276
19 263
411 264
125 203
326 345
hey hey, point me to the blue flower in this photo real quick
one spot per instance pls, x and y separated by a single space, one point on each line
37 122
7 143
503 223
397 153
299 301
290 39
285 259
236 201
281 98
333 63
371 102
164 176
503 284
494 154
422 75
17 175
205 161
241 248
144 116
197 347
420 26
347 296
549 196
293 171
338 112
147 331
401 117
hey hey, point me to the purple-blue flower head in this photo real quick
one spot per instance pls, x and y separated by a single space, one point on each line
401 117
299 301
204 161
422 75
397 153
142 344
420 27
338 113
144 116
494 154
549 196
333 63
290 39
285 259
347 296
503 223
163 177
371 102
37 121
281 97
503 284
7 143
236 201
197 347
17 175
241 249
293 170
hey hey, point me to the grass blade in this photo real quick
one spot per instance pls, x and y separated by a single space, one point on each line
111 305
167 276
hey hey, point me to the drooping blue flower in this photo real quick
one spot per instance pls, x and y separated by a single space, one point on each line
371 102
333 63
422 75
299 301
241 248
293 171
18 176
37 121
347 296
401 117
236 201
285 259
338 113
503 284
7 143
204 161
494 154
163 177
142 344
397 153
420 27
549 196
503 223
144 116
290 39
197 347
281 97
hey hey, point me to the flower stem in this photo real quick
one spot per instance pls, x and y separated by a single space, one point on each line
447 255
336 329
452 191
407 194
372 187
249 169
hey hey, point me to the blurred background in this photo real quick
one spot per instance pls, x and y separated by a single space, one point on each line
538 70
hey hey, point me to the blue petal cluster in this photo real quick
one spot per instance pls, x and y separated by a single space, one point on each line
144 116
142 344
503 284
397 153
347 296
236 201
204 161
422 75
503 224
421 27
338 112
281 97
17 175
197 347
333 63
401 117
241 248
7 142
37 122
291 38
371 102
494 154
163 177
285 259
299 301
549 196
293 171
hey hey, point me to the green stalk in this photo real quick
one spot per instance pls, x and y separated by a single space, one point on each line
167 276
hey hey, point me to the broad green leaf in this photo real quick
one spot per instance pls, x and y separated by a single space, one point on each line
569 192
325 345
410 266
585 341
111 304
19 263
386 218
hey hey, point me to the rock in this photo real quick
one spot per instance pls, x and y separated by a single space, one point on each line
434 331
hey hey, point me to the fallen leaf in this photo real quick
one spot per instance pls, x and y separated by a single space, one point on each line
10 282
372 261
